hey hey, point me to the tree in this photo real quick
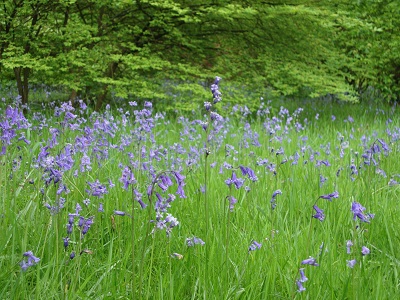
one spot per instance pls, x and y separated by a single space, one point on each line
152 49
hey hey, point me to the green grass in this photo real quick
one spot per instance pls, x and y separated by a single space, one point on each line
223 268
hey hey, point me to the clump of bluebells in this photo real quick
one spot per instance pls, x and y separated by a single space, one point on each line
357 210
77 220
11 126
164 220
31 260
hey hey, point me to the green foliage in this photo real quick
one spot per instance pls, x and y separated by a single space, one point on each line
294 48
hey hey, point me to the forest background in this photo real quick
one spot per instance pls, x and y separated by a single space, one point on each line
168 51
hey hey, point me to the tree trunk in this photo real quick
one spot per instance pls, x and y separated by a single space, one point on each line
110 74
72 97
22 84
101 98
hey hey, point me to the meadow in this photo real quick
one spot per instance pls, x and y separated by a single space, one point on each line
296 202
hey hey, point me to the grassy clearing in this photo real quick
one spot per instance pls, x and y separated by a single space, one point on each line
127 256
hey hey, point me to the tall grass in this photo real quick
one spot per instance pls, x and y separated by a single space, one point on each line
127 256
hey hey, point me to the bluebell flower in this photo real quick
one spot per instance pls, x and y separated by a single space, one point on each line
319 213
357 210
273 199
66 242
351 263
81 221
310 261
127 178
348 246
180 190
119 213
190 242
329 197
300 287
303 277
96 189
254 246
138 197
246 171
365 250
32 260
69 228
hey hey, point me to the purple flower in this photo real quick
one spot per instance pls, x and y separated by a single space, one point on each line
179 177
215 90
32 260
86 225
81 221
101 208
119 213
232 202
180 190
329 197
300 287
273 198
66 242
254 246
351 263
138 197
78 209
357 210
249 172
348 246
365 250
69 228
303 277
385 147
71 218
72 255
190 242
127 178
310 261
96 189
319 213
238 182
